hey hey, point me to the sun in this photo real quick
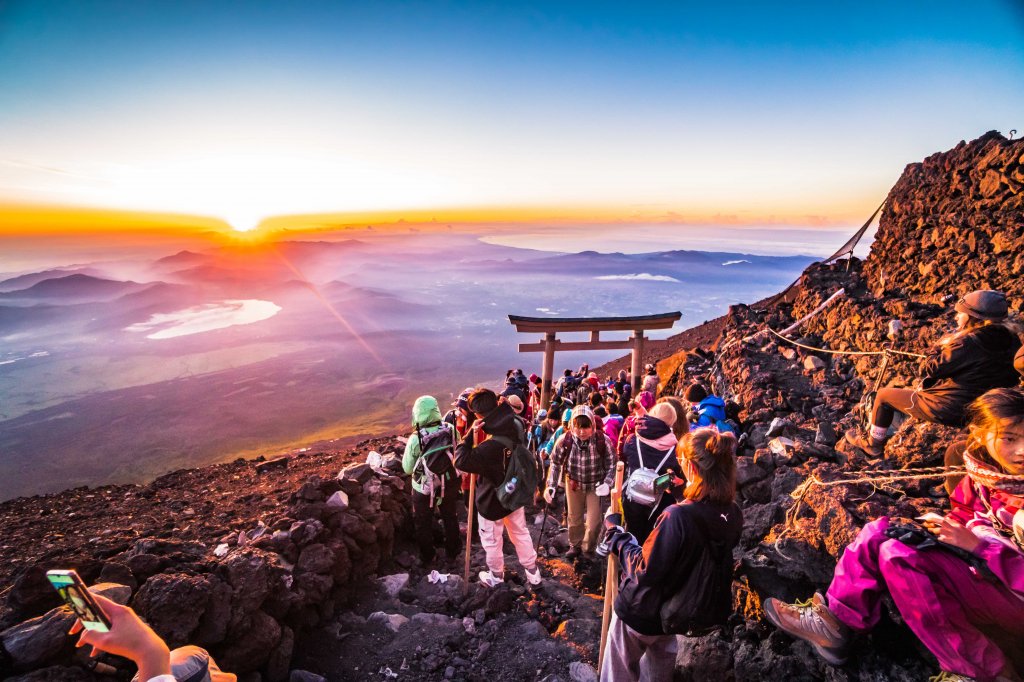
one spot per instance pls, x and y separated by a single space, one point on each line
242 220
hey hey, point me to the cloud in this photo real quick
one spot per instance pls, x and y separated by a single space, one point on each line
641 276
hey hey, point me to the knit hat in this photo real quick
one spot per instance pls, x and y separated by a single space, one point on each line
984 304
534 379
1018 360
665 412
695 393
646 398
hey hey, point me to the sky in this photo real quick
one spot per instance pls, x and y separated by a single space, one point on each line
788 114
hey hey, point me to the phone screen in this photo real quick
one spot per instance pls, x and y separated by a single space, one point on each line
75 595
663 481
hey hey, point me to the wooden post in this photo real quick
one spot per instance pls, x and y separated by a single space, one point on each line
611 578
547 370
469 531
637 366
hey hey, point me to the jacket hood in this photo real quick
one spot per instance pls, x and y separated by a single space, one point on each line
995 336
501 422
425 411
651 428
646 399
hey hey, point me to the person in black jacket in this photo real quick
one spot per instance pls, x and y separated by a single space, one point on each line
481 455
976 358
709 519
653 446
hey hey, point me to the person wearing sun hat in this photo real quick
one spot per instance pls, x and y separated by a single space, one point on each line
977 357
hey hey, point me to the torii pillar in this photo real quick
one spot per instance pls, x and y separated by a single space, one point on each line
595 325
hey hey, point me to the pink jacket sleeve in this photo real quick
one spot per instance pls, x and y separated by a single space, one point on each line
1005 561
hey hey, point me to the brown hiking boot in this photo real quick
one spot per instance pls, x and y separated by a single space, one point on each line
812 622
859 439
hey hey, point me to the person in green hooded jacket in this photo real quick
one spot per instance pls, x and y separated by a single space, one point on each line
431 491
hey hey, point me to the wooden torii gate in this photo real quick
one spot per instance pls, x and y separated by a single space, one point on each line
595 325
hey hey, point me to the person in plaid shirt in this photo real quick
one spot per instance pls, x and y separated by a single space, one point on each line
585 457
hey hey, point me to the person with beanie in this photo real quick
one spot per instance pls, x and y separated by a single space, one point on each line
431 491
706 409
583 459
637 408
653 446
977 357
707 521
481 454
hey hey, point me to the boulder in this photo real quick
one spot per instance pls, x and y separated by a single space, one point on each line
38 641
389 621
173 604
391 585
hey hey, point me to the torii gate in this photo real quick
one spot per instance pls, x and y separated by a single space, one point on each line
595 325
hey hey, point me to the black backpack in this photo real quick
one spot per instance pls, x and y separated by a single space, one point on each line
704 601
521 465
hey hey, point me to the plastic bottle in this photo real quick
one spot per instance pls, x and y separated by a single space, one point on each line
510 487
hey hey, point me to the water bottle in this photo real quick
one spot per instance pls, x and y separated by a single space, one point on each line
510 487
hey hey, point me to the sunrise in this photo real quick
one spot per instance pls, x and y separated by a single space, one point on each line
713 311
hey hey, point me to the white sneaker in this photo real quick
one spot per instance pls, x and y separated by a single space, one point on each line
489 579
533 577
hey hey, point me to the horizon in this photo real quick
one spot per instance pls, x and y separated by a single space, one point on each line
285 118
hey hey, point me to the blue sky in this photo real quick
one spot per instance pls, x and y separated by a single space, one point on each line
798 112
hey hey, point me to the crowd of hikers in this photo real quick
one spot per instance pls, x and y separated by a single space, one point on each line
957 581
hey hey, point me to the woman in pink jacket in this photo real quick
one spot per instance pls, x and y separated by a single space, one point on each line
951 599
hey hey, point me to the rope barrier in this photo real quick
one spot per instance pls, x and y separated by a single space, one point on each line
872 478
884 351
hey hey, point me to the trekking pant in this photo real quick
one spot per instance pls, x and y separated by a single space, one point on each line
423 522
640 520
578 501
890 399
192 664
630 656
491 537
941 599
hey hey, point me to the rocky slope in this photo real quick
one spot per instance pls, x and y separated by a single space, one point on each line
275 566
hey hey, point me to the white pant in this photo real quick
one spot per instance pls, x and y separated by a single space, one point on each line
491 539
630 656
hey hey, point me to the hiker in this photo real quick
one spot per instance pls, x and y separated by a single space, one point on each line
462 419
563 426
637 408
130 637
681 426
567 385
483 453
650 380
613 422
942 594
651 449
977 357
435 482
662 590
584 458
622 384
535 391
706 409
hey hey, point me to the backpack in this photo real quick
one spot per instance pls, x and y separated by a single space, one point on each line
640 487
436 461
522 474
704 601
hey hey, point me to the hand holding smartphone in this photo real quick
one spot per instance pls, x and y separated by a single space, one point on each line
77 596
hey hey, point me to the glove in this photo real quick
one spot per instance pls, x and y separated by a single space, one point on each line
612 519
603 490
549 494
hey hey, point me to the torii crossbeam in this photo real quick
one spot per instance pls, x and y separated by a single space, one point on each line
595 325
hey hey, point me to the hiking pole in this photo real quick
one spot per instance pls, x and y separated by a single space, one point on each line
543 525
611 582
469 530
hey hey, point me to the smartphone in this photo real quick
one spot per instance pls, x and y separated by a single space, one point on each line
662 482
75 594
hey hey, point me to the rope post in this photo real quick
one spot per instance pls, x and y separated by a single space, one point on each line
611 578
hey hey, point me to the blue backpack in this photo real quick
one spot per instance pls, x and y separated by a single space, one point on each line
711 412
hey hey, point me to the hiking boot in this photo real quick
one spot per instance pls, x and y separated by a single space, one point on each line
533 577
489 579
946 676
863 441
812 621
573 552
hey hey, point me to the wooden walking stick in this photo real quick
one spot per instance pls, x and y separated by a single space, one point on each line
469 530
611 578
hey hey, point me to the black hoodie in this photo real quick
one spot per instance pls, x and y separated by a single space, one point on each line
488 460
971 364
